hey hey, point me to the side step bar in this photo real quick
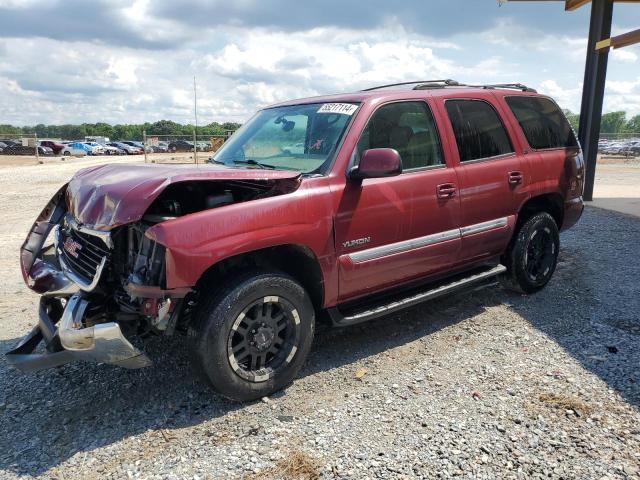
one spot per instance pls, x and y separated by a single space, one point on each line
399 302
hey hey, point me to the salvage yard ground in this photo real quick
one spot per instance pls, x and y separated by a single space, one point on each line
485 384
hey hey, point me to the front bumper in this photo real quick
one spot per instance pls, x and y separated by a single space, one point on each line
102 343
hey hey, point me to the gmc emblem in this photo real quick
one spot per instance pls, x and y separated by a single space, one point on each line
72 247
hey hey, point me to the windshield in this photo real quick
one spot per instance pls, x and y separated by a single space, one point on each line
299 137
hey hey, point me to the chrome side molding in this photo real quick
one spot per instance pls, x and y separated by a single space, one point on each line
384 250
411 244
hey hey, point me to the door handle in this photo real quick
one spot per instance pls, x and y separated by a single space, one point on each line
515 178
446 190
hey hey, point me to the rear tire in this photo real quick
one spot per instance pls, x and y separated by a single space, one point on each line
532 255
251 337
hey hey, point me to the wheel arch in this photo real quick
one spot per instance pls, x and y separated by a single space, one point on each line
552 203
298 261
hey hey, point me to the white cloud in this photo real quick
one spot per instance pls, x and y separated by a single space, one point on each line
568 97
242 69
626 56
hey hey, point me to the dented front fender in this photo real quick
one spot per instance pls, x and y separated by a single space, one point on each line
40 272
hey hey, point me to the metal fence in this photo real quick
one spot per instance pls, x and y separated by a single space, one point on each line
620 136
181 148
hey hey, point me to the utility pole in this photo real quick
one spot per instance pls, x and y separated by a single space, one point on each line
195 113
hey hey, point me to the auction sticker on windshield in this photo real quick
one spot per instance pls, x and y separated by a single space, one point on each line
343 108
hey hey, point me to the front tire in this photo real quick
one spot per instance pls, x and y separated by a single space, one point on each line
251 338
532 255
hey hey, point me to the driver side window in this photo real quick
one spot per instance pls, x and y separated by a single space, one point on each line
408 128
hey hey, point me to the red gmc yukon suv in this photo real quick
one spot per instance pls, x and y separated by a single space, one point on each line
351 206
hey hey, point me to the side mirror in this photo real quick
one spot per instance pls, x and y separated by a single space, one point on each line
377 163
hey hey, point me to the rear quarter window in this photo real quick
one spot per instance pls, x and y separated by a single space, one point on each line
542 122
478 129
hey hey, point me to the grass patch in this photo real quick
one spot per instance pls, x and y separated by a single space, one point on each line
296 465
566 402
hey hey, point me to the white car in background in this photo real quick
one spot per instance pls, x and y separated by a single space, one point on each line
96 148
76 149
109 150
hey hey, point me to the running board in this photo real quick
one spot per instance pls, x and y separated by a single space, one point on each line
399 302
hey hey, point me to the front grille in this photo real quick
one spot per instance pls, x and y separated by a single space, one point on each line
82 252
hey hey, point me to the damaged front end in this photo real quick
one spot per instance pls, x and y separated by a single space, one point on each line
101 277
69 266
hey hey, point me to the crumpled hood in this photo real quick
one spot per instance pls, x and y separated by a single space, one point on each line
107 196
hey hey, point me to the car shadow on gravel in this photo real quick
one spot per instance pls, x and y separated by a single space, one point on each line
589 310
56 414
50 416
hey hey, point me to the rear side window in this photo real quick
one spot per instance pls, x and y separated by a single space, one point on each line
542 122
478 129
407 127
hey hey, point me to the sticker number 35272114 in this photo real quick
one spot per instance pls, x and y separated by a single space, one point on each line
343 108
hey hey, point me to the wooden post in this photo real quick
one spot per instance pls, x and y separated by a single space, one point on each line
35 144
144 144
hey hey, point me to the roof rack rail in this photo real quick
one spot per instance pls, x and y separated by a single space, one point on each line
422 82
433 84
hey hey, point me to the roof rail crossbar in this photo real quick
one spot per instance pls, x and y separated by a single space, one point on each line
438 84
435 82
515 86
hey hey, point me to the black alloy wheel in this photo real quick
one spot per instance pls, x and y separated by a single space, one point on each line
252 333
532 255
540 255
263 338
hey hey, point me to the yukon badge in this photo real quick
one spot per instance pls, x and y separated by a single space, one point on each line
356 242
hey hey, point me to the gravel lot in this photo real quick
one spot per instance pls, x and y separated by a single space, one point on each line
485 384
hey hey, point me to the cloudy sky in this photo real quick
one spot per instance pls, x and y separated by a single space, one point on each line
129 61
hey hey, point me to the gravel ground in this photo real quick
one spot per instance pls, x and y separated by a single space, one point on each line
485 384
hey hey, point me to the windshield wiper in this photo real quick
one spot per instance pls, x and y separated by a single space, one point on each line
251 161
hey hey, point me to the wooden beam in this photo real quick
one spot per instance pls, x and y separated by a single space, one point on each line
571 5
626 39
620 41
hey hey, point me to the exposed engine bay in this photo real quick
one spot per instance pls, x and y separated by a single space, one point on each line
185 198
134 277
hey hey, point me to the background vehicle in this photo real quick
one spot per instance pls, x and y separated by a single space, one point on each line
159 148
126 148
77 149
57 147
180 146
110 150
398 195
96 148
18 149
139 145
8 143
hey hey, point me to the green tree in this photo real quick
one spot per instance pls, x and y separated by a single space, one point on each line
613 122
574 119
633 125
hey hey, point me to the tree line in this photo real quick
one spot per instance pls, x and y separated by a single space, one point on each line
613 123
118 132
